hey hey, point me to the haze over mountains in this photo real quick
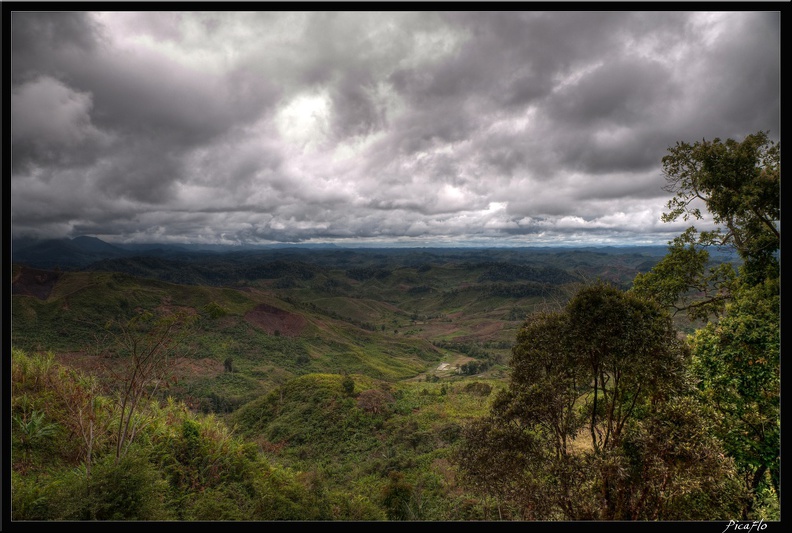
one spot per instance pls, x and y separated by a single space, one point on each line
80 252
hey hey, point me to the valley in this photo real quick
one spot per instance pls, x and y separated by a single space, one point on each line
390 314
359 368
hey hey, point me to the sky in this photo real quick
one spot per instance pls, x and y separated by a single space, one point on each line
454 128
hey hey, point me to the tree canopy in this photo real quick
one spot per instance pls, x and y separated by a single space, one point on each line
738 184
579 432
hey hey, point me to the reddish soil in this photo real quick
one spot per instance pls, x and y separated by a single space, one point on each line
103 367
34 282
171 309
197 368
272 319
487 329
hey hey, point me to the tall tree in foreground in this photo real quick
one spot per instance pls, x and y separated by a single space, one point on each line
147 345
737 354
598 422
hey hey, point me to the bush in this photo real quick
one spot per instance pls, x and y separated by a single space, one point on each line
228 502
478 389
30 498
215 310
129 490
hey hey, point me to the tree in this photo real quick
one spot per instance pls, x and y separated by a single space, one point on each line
568 438
148 343
736 354
738 184
737 362
374 401
348 384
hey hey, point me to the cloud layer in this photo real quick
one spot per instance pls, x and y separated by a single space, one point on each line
491 128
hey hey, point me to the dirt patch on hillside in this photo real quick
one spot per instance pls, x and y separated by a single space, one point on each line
105 367
276 321
196 368
34 282
487 329
167 310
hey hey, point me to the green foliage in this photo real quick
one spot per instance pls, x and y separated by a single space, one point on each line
31 430
584 425
30 496
357 507
39 429
221 394
374 401
278 497
227 502
608 349
348 385
736 355
314 414
149 343
502 458
481 389
686 280
737 361
130 489
739 183
181 466
198 469
215 310
396 496
367 273
677 443
542 276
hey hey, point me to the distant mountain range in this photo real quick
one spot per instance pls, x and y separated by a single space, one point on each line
66 254
83 252
80 252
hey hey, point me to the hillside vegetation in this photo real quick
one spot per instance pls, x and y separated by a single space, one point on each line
353 372
339 395
413 384
387 314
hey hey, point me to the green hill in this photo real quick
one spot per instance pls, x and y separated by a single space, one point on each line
262 319
268 339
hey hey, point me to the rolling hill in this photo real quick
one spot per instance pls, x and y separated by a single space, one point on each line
275 314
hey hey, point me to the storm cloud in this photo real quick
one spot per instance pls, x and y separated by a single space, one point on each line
410 128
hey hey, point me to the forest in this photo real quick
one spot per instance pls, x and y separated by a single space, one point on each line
531 384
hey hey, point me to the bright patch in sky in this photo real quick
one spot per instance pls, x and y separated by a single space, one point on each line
305 120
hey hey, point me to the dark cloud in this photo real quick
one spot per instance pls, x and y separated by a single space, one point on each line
44 41
355 108
752 62
511 127
615 93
